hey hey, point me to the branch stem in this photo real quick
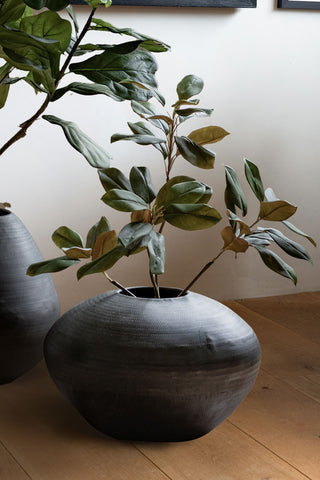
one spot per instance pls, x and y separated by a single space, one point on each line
118 285
27 124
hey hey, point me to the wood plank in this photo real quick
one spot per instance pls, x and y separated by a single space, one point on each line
224 454
52 442
299 312
285 421
9 468
285 354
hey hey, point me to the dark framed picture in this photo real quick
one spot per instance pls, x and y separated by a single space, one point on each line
183 3
302 4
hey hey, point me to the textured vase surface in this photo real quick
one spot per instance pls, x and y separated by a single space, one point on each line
168 369
28 306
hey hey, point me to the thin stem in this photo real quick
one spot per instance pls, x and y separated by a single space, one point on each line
118 285
162 227
27 124
209 264
154 281
6 75
170 145
255 223
204 269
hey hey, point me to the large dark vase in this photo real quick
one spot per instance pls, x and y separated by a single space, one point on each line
28 306
168 369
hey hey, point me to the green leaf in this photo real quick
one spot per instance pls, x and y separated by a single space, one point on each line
124 201
140 128
48 25
50 4
254 179
191 217
181 103
149 43
140 139
147 111
51 266
234 195
189 86
4 91
102 263
112 178
141 183
156 249
110 69
132 234
164 190
195 154
85 89
299 232
187 113
185 192
287 245
31 53
73 17
258 239
275 263
153 91
270 195
97 229
206 135
276 211
64 237
11 10
244 228
96 156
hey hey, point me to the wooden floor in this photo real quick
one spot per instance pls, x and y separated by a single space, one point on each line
273 435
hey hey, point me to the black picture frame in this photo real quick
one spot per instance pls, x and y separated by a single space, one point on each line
299 4
182 3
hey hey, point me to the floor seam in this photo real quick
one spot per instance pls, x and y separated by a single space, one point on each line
15 460
269 449
152 462
291 385
242 304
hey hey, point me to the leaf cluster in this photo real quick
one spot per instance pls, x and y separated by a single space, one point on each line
239 235
182 201
41 46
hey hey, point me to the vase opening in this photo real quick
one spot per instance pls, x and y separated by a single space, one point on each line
148 292
4 211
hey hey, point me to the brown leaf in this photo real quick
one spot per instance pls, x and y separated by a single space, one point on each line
206 135
143 216
105 242
231 242
77 252
277 210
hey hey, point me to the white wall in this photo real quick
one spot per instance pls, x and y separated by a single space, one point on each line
261 70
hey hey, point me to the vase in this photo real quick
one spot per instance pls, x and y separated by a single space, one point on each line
147 369
28 306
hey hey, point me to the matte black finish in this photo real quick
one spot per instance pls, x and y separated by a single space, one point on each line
182 3
298 4
28 306
168 369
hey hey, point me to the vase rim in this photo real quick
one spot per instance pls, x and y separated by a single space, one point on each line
4 212
146 293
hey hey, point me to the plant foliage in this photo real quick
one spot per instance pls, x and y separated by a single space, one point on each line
182 201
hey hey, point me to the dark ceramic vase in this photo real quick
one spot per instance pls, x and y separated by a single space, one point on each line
28 306
168 369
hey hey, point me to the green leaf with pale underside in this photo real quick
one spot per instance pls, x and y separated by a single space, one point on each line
95 155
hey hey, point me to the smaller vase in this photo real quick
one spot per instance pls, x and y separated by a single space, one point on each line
28 305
